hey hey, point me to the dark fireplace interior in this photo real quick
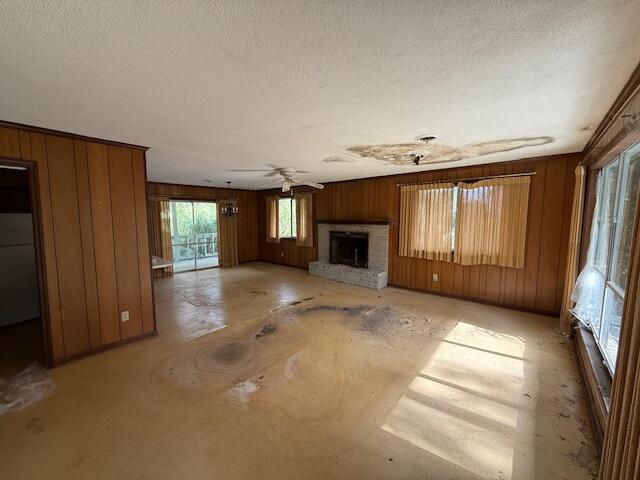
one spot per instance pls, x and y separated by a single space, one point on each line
349 248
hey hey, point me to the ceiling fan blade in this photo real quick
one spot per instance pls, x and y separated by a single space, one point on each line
250 170
286 186
297 181
319 186
272 182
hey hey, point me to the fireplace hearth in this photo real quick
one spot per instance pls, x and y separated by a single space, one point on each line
349 248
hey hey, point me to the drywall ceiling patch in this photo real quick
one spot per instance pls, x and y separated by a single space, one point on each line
429 153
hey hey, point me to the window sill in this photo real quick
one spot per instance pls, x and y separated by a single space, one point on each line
596 376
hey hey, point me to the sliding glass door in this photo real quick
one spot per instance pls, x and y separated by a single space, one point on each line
194 235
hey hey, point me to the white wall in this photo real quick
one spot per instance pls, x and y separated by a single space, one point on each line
18 273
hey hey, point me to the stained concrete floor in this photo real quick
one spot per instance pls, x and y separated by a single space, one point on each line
351 384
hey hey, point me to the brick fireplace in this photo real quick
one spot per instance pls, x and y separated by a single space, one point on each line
359 253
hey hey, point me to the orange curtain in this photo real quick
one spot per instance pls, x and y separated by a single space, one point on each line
160 234
492 222
566 322
272 219
426 221
620 453
304 220
227 237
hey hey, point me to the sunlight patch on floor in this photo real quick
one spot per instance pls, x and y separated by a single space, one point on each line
463 406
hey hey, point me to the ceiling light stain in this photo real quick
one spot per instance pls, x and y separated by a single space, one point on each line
426 153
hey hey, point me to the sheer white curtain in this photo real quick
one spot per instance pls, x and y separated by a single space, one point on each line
588 292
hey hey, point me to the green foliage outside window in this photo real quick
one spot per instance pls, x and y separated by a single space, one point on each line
189 218
287 217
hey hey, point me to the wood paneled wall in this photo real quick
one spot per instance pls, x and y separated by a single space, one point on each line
622 119
537 287
93 236
247 216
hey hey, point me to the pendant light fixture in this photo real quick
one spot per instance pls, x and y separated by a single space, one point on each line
229 207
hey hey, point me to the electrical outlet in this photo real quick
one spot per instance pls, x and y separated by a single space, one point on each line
124 316
435 277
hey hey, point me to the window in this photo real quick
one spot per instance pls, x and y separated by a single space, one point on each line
454 217
472 223
600 289
287 217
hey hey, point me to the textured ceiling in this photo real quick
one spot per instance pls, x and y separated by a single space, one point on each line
216 86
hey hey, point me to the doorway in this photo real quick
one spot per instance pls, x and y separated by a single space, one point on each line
194 235
22 332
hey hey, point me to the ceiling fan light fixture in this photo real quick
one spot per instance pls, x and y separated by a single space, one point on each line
416 157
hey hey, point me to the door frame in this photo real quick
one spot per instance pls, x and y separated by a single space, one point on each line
195 259
34 201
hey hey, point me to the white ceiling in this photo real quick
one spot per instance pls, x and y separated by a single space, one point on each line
215 86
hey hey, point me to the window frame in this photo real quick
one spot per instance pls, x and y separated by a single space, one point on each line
612 293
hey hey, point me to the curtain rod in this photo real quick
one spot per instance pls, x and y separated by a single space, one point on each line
467 179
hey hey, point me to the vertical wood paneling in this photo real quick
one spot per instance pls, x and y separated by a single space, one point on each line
39 155
142 230
98 168
25 145
75 232
549 256
534 287
68 244
534 229
88 252
125 239
9 143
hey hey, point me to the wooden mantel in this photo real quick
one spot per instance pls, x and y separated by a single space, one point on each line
371 221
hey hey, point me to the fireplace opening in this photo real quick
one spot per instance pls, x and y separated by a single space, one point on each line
349 248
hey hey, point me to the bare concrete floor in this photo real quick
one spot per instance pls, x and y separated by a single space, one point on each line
352 384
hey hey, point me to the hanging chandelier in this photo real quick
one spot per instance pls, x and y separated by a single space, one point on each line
229 208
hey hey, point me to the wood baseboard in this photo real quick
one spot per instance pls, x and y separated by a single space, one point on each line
103 348
477 300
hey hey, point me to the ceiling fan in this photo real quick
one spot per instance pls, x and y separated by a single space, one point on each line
288 177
